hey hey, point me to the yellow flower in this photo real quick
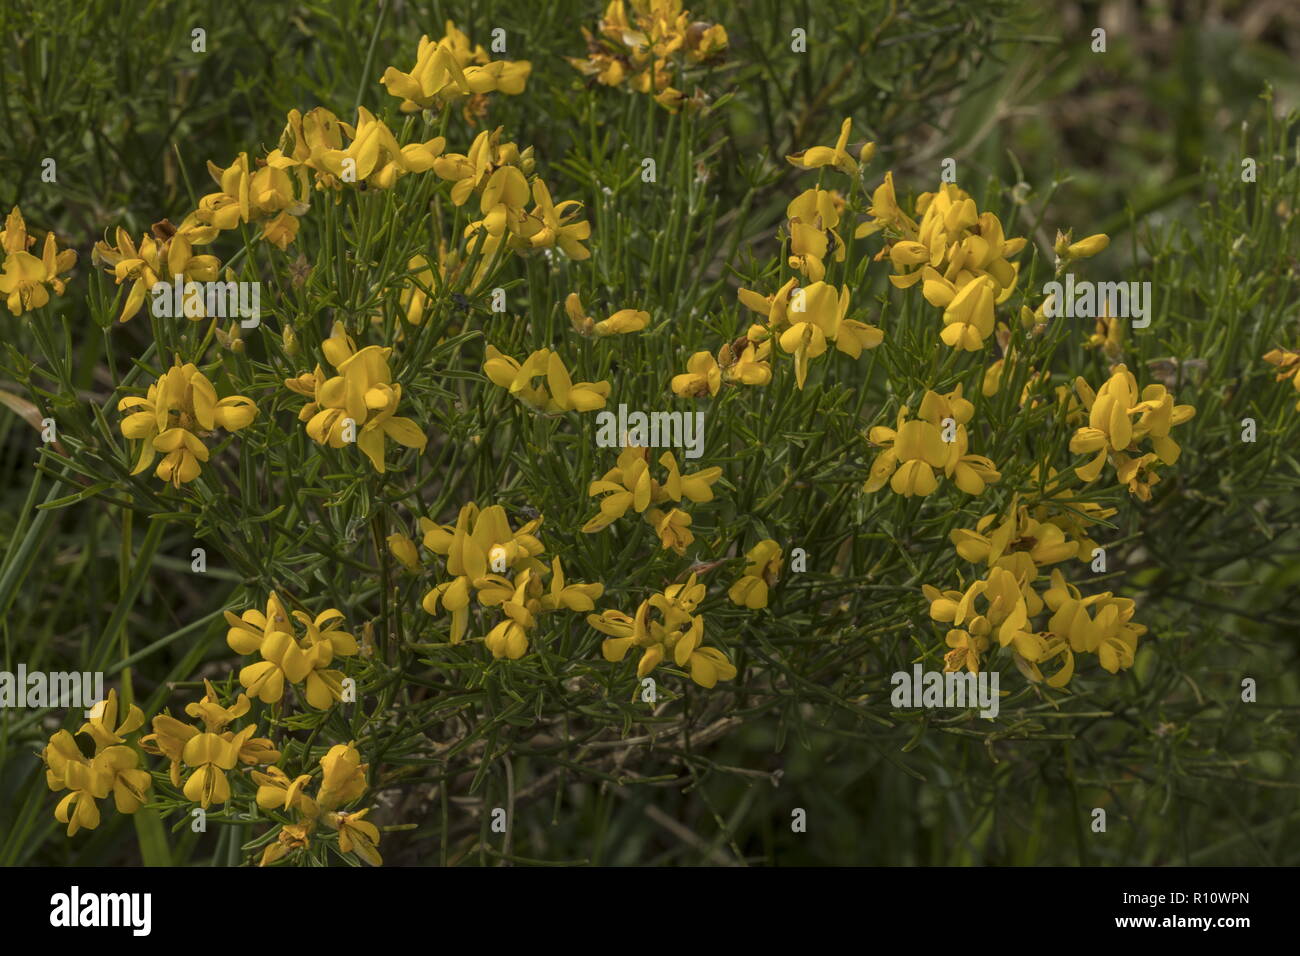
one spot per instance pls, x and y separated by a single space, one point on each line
304 139
178 409
344 777
102 723
374 156
620 323
1112 434
817 315
292 838
966 650
1004 619
549 224
674 631
813 318
449 69
129 784
211 756
269 195
672 527
912 451
356 835
275 791
761 573
323 641
968 318
750 367
249 749
1109 632
68 769
953 248
214 715
403 549
886 213
1084 248
23 277
282 660
635 49
160 257
775 307
629 485
561 393
285 657
509 638
813 216
702 377
836 156
168 739
574 597
248 630
479 543
471 172
1019 534
359 403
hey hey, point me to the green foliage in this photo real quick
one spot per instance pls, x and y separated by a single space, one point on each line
96 572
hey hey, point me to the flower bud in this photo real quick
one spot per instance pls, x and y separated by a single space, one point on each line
1088 247
403 549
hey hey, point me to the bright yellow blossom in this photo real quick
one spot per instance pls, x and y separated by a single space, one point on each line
561 393
761 572
177 412
23 277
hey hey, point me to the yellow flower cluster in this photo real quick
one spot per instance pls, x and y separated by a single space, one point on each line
812 218
814 214
161 256
23 277
936 441
1017 550
450 69
635 49
172 418
210 753
275 190
804 320
1113 434
287 658
1028 538
1098 624
629 485
741 362
560 394
267 195
675 632
314 142
958 255
498 173
359 404
482 552
114 768
343 781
